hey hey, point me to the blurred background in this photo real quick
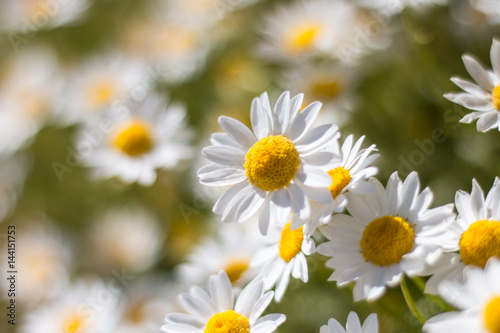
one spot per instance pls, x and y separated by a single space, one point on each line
379 72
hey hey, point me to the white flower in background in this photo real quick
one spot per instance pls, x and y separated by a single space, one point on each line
348 175
385 236
483 97
490 8
353 325
217 311
392 7
472 238
132 143
145 303
12 176
230 250
275 169
27 16
128 238
478 300
331 28
283 256
28 90
43 258
102 83
87 306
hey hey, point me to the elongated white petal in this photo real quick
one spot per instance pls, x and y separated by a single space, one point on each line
261 123
239 132
478 73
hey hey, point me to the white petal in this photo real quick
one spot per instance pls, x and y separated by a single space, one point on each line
488 121
261 124
224 155
280 207
281 114
478 73
221 291
223 177
495 56
470 87
239 132
250 205
221 203
300 204
303 122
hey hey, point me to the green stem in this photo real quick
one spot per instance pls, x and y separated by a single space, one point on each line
419 282
410 302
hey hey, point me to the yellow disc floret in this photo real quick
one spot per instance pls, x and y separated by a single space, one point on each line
386 240
340 179
495 97
480 242
271 163
134 139
302 37
291 242
227 322
235 268
492 315
73 323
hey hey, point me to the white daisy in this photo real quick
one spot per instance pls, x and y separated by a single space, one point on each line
128 237
27 16
28 91
472 238
478 300
490 8
12 176
484 97
217 311
87 306
353 325
133 143
385 236
392 7
284 256
100 84
348 175
230 250
275 169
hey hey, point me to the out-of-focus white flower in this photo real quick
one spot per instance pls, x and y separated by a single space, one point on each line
208 313
392 7
100 84
28 91
385 236
478 300
352 326
132 143
27 16
490 8
331 28
231 250
128 237
283 256
87 306
472 238
43 258
12 175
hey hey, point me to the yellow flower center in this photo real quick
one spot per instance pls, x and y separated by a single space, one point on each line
301 38
325 89
495 97
271 163
134 139
136 313
235 268
291 242
340 179
492 315
101 93
227 322
73 323
480 242
386 240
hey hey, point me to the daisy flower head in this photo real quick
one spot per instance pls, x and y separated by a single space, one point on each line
216 311
482 97
273 170
385 236
477 299
490 8
471 239
132 143
231 250
350 174
353 325
283 256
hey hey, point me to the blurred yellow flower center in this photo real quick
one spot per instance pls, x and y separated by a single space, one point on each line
136 313
301 38
340 179
495 97
492 315
101 93
271 163
73 323
480 242
134 139
235 268
291 242
386 240
227 322
325 89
